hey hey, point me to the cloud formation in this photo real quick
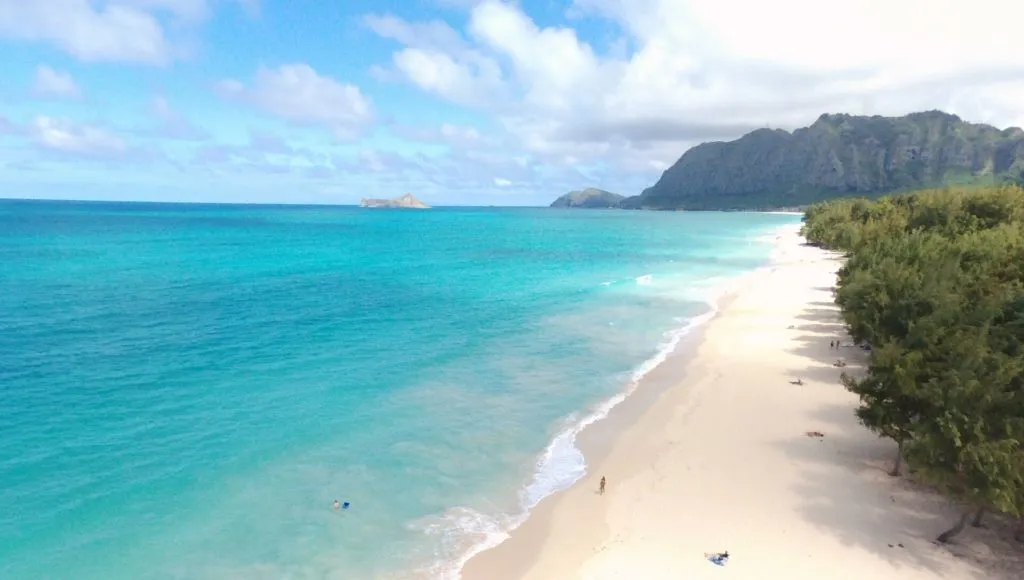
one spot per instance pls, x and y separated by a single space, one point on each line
113 32
494 101
297 93
131 31
68 137
170 124
52 83
686 72
58 139
264 154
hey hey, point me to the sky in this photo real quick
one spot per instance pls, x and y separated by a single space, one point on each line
459 102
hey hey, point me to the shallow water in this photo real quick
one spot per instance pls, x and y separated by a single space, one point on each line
186 389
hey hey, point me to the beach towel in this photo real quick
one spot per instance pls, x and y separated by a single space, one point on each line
718 559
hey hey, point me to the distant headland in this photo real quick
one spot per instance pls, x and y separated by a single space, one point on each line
407 201
838 155
589 198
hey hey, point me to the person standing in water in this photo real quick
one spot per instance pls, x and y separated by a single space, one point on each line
337 504
600 489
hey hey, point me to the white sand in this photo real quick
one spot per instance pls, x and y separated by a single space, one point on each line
720 461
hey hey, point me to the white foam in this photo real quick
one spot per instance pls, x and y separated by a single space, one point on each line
644 280
560 466
562 463
469 527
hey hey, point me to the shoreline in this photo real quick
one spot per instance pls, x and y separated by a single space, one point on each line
698 454
592 436
581 435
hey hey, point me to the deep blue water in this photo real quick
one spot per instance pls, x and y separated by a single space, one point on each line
186 389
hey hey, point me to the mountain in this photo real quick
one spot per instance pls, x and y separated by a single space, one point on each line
406 201
838 155
589 198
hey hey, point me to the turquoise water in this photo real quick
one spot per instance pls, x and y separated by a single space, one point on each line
186 389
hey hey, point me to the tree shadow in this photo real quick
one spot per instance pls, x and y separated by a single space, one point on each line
820 373
824 331
821 314
844 485
845 492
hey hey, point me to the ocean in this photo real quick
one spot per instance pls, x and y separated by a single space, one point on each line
186 389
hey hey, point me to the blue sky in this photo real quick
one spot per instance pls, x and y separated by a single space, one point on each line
478 102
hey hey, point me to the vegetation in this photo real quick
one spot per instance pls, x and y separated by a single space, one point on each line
934 283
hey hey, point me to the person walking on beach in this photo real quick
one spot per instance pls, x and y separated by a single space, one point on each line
831 344
600 489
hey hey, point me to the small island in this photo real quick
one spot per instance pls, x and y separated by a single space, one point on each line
589 198
407 201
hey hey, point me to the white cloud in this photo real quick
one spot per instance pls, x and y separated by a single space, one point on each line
435 33
69 137
461 136
161 109
464 77
7 127
715 69
52 83
438 60
170 124
299 94
111 33
458 3
113 30
229 88
502 182
269 143
187 9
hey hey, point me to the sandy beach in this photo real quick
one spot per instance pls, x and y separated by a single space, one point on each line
714 455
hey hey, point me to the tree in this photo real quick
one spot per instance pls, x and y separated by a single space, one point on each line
934 281
889 405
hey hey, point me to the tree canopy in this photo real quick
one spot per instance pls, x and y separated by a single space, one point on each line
934 284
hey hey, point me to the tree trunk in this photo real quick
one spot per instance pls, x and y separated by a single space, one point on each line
899 459
977 518
951 533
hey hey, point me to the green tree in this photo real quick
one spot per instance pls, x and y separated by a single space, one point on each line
934 282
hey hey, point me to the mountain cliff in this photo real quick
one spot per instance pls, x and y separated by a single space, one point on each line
838 155
589 198
406 201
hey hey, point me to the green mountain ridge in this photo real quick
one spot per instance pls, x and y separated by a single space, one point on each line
839 155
